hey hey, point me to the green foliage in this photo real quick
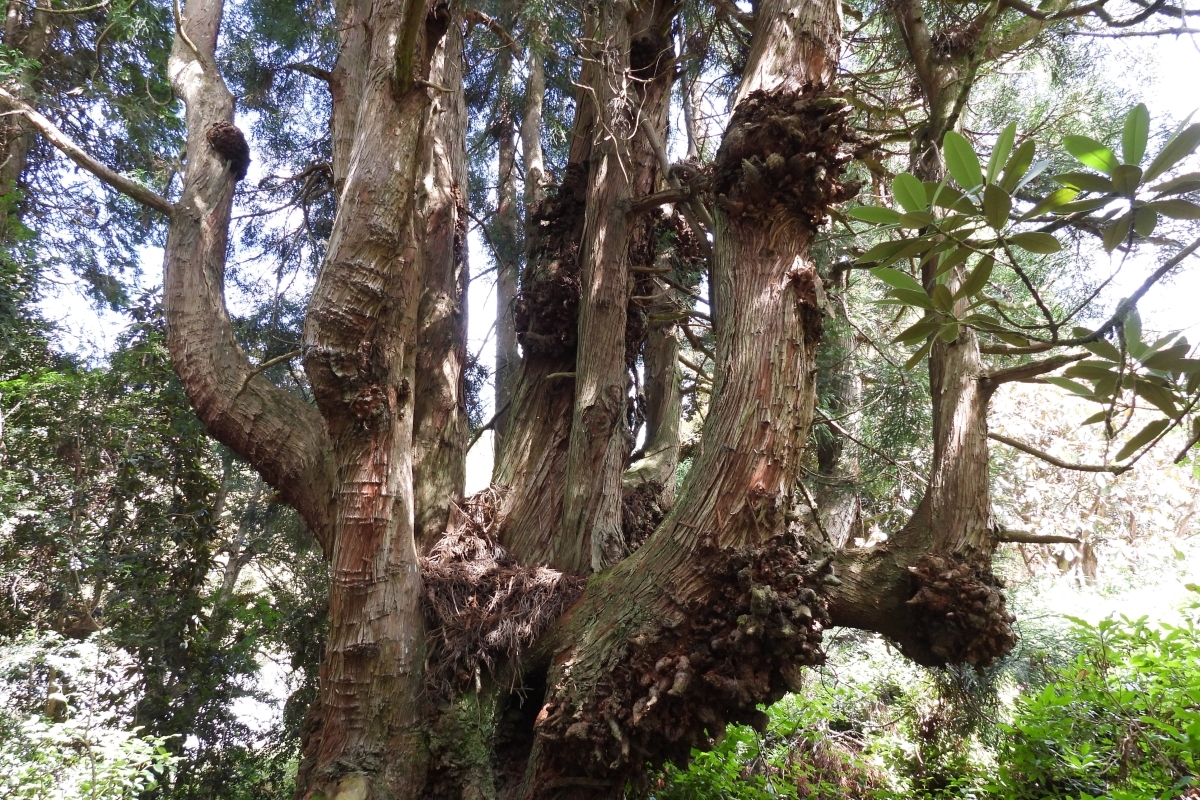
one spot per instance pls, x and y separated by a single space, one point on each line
1121 721
78 760
798 756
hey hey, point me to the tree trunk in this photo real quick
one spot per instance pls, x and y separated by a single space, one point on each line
508 356
932 582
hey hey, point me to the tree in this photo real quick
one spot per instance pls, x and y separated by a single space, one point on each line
467 654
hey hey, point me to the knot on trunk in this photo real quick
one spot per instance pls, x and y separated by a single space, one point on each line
960 610
673 685
546 315
783 156
230 144
481 605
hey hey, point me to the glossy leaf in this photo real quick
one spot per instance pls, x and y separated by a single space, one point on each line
942 299
909 192
1176 208
1071 386
996 206
1036 242
1145 220
961 161
1091 153
918 331
1126 179
918 356
1142 437
897 279
1135 134
916 219
1158 396
1018 165
876 214
1004 143
1175 150
1083 205
1189 182
978 279
1116 232
1085 181
1052 201
910 297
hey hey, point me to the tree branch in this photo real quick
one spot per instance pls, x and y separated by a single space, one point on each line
77 154
1024 372
1058 462
1024 537
1123 308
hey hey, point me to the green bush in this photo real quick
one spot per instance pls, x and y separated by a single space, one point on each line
1121 721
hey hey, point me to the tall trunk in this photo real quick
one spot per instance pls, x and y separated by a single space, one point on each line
655 470
638 674
440 421
531 123
934 590
17 136
579 243
837 460
508 356
631 81
363 327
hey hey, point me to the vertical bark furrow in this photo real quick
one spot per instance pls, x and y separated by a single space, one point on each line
440 423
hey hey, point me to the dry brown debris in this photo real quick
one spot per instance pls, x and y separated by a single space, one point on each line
784 153
961 610
674 688
228 141
481 605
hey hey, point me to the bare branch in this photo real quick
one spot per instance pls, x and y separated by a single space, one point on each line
1023 372
1058 462
1024 537
1123 308
77 154
311 71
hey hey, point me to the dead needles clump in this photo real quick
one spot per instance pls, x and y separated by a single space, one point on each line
481 605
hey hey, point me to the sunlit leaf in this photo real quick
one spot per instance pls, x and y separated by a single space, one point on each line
1135 134
876 214
1036 242
1083 205
1176 149
1142 437
1085 181
1091 153
1004 143
961 161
